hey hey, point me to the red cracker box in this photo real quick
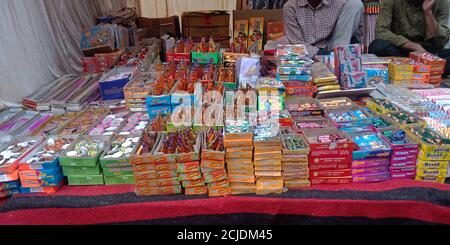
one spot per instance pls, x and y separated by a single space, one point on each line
331 181
374 162
371 170
332 153
188 167
330 160
198 190
331 173
422 68
215 176
297 90
193 183
190 176
421 77
9 177
219 191
219 184
312 135
339 166
146 175
213 164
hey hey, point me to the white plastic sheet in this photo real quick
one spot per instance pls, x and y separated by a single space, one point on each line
40 39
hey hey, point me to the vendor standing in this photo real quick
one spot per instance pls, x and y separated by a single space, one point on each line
322 25
405 26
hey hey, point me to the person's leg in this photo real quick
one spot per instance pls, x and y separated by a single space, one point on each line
384 48
350 16
445 54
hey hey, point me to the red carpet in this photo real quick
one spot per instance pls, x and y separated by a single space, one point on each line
404 202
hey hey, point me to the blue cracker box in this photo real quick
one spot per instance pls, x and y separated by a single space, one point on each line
113 89
46 182
5 186
302 78
98 39
41 174
158 100
182 99
156 110
376 74
364 119
370 138
41 190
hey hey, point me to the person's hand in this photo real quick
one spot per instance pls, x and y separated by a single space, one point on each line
414 47
427 5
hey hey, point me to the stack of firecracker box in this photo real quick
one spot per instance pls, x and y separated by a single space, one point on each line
154 173
294 70
434 154
213 163
436 65
409 72
40 171
295 160
238 142
267 159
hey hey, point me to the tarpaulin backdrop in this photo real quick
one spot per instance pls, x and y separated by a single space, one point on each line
164 8
39 41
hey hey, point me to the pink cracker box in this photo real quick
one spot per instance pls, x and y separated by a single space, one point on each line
404 164
402 159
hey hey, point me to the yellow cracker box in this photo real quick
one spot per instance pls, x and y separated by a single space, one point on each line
190 176
206 163
193 183
268 173
240 166
188 167
432 164
220 183
440 180
432 172
219 191
241 172
242 178
198 190
146 175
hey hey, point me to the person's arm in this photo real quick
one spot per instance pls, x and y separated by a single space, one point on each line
384 32
437 31
293 30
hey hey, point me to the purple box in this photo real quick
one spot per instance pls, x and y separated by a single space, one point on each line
371 170
373 162
371 178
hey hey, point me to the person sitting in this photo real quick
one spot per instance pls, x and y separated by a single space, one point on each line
322 25
413 25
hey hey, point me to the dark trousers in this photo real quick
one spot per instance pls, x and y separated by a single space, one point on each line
384 48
